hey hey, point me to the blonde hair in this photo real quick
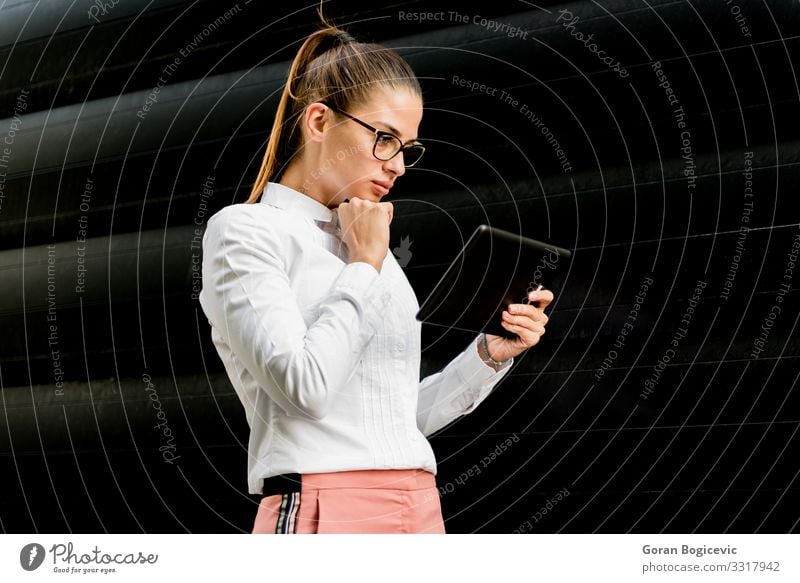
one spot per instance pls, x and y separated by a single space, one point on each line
332 66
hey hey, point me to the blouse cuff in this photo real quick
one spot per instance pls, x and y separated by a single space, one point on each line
479 378
474 369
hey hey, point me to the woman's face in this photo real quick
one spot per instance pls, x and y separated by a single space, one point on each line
346 165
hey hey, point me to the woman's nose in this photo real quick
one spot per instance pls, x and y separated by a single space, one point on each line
396 165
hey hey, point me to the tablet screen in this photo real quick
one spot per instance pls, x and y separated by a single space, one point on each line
495 268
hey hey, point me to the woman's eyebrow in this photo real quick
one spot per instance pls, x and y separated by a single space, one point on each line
390 127
394 130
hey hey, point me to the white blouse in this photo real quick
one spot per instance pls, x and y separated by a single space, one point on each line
324 355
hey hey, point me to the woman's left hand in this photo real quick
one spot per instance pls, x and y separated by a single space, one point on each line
526 321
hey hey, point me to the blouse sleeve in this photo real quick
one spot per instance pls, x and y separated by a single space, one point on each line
457 389
247 297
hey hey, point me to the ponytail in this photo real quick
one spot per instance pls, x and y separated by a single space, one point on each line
332 65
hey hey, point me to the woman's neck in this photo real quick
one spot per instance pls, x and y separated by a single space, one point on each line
295 178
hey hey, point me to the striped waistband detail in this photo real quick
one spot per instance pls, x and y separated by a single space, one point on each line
287 517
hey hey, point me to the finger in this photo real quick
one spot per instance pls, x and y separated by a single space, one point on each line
542 297
517 319
390 209
532 324
529 311
526 323
513 328
526 336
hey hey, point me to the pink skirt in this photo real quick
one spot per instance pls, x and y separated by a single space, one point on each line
360 501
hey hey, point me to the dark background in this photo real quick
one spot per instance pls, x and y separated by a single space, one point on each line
710 446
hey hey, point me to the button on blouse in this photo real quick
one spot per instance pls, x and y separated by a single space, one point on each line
323 354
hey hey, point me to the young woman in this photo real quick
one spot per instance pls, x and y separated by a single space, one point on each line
314 318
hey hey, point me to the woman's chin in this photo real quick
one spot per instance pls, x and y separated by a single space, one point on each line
370 196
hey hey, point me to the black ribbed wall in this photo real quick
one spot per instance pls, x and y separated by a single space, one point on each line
662 398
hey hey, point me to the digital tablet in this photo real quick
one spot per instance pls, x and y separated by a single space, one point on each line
495 268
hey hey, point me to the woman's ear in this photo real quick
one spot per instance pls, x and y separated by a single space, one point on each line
316 120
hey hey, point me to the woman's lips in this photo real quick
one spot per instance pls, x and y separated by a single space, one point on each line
380 188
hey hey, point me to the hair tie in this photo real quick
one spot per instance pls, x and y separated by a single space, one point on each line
344 37
337 39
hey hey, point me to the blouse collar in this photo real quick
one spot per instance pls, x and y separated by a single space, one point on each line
281 196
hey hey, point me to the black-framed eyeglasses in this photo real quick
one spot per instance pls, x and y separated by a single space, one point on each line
387 145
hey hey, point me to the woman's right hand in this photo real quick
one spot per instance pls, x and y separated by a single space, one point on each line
365 230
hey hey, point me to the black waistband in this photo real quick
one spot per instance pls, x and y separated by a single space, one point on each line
281 484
